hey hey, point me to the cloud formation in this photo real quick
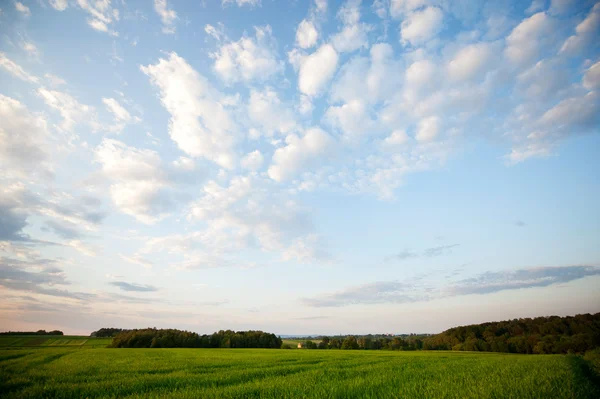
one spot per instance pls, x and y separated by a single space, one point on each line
485 283
124 286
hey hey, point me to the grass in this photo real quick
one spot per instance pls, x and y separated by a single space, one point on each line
25 341
66 372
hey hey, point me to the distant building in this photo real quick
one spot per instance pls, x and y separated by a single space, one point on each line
300 345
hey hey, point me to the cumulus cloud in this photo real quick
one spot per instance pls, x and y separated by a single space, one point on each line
317 69
139 184
428 129
269 113
321 5
238 216
306 34
200 124
298 153
16 70
421 26
471 62
23 9
167 16
59 5
585 33
249 58
525 42
353 35
71 110
252 161
23 141
591 78
121 115
101 15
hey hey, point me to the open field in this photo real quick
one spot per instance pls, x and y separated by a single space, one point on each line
25 341
270 373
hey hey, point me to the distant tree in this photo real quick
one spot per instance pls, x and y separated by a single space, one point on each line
310 345
350 343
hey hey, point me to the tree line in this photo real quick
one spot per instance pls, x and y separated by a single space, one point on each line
370 342
106 332
540 335
171 338
38 332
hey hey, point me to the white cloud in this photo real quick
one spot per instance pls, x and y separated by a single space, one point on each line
59 5
101 15
137 259
591 78
184 164
244 214
15 69
22 8
428 129
368 80
421 26
524 43
217 33
317 69
353 34
267 111
167 16
249 58
586 33
71 110
321 5
121 116
396 138
199 124
241 3
120 113
352 118
252 161
139 182
471 62
299 153
82 247
399 8
23 140
54 80
306 34
30 48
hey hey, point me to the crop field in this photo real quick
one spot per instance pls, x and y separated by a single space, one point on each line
67 372
25 341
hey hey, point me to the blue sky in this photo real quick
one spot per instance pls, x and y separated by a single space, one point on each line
297 167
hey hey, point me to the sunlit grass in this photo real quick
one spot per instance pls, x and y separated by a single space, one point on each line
212 373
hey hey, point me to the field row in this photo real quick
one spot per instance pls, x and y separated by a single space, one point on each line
272 373
16 341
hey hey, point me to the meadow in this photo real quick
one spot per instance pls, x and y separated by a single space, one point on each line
92 372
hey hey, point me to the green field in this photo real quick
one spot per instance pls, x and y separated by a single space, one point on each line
68 372
26 341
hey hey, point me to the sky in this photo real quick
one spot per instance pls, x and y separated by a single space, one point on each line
391 166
